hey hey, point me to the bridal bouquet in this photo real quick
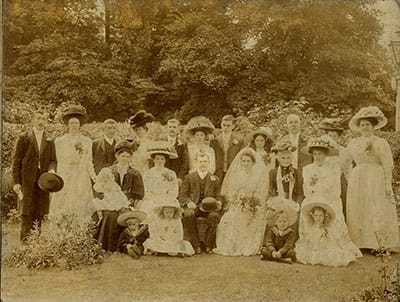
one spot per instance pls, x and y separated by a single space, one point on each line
249 203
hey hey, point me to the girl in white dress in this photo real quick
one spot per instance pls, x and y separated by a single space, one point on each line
241 229
371 207
75 166
261 142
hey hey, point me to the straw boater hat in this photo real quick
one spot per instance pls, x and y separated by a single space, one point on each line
139 215
199 123
283 145
368 112
140 118
319 143
264 131
330 124
169 202
306 209
161 147
210 204
75 111
50 182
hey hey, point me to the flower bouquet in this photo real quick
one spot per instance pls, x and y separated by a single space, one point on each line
249 203
79 148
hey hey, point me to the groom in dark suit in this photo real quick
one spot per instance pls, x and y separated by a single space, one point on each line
34 155
195 187
103 148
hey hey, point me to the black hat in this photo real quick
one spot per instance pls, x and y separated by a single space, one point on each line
76 111
50 182
210 204
140 118
125 145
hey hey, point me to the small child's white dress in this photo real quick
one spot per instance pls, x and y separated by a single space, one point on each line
166 236
316 246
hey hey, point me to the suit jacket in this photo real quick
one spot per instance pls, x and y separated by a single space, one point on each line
302 159
100 156
132 183
179 165
190 188
298 194
25 168
235 144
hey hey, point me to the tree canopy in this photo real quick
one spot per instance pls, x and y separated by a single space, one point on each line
183 58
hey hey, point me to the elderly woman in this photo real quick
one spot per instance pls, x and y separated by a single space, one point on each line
131 183
75 166
371 209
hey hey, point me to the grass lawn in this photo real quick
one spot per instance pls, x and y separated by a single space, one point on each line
198 278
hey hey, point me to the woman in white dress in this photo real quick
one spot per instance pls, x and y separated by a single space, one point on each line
261 142
371 208
241 229
159 182
75 166
322 184
199 128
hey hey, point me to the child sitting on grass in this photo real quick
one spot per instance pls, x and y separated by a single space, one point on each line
280 239
131 239
166 231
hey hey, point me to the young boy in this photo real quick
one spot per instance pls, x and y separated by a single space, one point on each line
279 240
131 239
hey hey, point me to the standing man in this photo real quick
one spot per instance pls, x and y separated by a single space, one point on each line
195 187
34 155
103 148
180 164
299 159
226 145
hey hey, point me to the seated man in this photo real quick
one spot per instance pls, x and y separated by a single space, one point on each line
195 187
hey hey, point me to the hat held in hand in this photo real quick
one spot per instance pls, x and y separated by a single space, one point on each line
210 204
50 182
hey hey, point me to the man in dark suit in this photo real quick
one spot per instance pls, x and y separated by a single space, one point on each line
226 145
34 155
195 187
299 159
181 164
103 148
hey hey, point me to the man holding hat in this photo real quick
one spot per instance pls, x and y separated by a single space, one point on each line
34 155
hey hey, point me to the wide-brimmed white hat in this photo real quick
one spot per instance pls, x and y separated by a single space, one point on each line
161 147
169 202
368 112
306 209
320 143
125 216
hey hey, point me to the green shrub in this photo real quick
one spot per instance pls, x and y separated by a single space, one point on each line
66 245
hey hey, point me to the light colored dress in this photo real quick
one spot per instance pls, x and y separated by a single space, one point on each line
75 166
193 149
166 236
158 184
371 216
241 229
322 184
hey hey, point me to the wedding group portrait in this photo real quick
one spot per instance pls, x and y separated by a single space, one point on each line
200 150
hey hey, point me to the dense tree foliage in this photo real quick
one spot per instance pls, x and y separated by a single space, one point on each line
188 57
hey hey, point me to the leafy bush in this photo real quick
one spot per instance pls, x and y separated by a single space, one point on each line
67 245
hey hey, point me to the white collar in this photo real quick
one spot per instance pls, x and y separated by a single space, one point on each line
38 132
109 140
202 174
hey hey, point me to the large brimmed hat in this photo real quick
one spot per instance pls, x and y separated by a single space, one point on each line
306 209
283 145
278 205
75 111
50 182
161 147
264 131
169 202
320 143
199 123
368 112
140 118
331 124
139 215
210 204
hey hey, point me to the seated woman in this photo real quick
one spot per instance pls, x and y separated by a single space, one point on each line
131 184
245 186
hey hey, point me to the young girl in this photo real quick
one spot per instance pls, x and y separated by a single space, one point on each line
316 244
131 239
166 231
113 197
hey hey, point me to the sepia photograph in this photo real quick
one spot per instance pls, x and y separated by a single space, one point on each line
200 150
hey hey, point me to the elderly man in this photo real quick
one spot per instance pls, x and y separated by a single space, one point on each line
103 148
195 187
226 145
299 159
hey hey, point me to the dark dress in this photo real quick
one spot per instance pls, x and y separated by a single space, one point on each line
108 230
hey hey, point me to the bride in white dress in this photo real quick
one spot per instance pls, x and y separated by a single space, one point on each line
241 229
